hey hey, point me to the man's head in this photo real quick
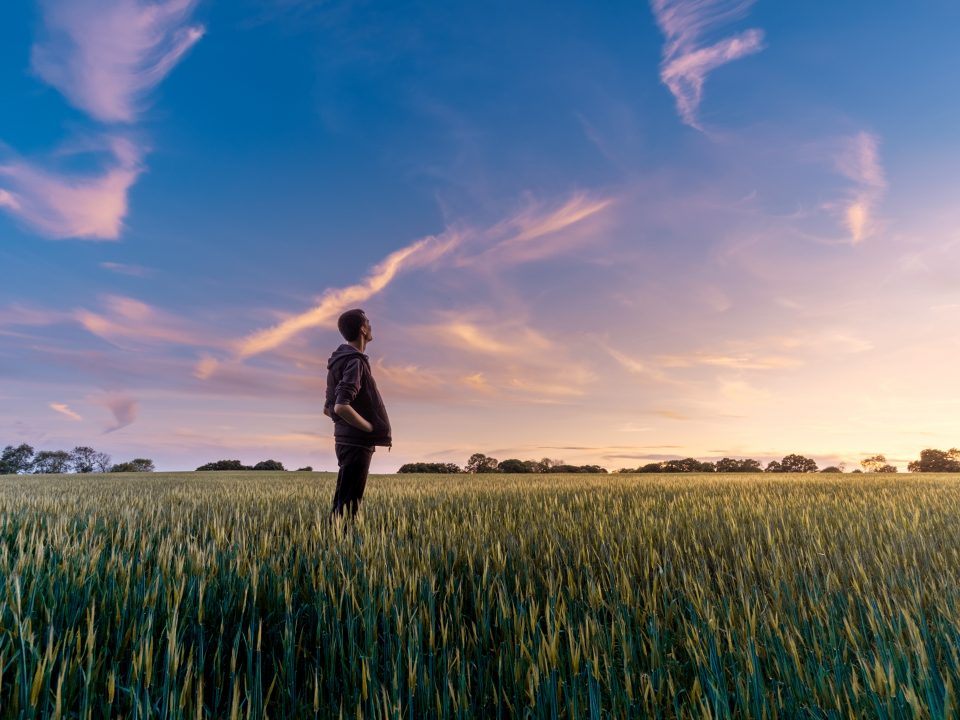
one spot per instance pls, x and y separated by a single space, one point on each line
353 325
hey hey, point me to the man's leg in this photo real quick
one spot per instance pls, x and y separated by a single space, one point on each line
351 479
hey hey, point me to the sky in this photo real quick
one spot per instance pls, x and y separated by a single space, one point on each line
608 233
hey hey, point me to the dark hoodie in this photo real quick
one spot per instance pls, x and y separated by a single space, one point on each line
350 382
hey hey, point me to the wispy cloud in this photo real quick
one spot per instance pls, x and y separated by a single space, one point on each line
859 160
686 61
106 55
123 408
66 205
126 318
532 233
126 269
336 300
64 409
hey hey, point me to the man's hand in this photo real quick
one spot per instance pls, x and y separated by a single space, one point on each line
352 417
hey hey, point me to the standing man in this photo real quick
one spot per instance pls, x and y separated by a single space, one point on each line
360 421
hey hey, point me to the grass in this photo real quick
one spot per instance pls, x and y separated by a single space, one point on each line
209 595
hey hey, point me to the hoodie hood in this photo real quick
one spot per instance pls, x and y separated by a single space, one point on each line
344 352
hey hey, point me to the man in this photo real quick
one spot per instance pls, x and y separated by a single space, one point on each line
360 421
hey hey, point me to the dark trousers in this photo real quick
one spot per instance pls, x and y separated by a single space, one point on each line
354 462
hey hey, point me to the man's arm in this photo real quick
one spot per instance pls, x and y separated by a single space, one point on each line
353 417
347 390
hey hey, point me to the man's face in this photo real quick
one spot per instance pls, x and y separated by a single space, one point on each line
366 330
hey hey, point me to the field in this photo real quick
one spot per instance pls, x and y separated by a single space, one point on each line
215 595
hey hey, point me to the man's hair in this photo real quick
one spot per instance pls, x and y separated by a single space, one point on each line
350 323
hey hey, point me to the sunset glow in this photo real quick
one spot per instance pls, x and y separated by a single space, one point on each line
603 234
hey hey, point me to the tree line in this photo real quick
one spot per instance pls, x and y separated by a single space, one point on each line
480 463
82 459
931 460
272 465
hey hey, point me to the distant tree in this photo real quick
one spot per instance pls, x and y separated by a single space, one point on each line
856 471
732 465
439 468
137 465
275 465
831 469
887 469
101 462
82 459
224 465
480 463
653 467
546 465
15 460
873 463
797 464
48 462
936 461
308 468
687 465
512 465
774 466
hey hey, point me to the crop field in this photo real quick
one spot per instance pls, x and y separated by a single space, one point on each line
213 595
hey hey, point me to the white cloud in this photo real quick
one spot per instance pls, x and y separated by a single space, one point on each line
859 160
106 55
686 60
61 205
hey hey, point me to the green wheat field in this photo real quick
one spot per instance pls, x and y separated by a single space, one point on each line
214 595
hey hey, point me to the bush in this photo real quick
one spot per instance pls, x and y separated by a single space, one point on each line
269 465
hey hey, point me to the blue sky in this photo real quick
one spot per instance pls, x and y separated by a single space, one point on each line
608 234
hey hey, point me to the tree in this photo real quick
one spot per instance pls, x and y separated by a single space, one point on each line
653 467
82 459
887 469
512 465
797 464
480 463
873 463
49 462
274 465
733 465
444 468
936 461
137 465
101 462
15 460
774 466
224 465
308 468
685 466
832 469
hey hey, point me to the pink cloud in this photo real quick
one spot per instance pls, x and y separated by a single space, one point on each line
859 161
65 410
536 232
123 407
106 55
73 206
686 62
336 300
126 318
126 269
